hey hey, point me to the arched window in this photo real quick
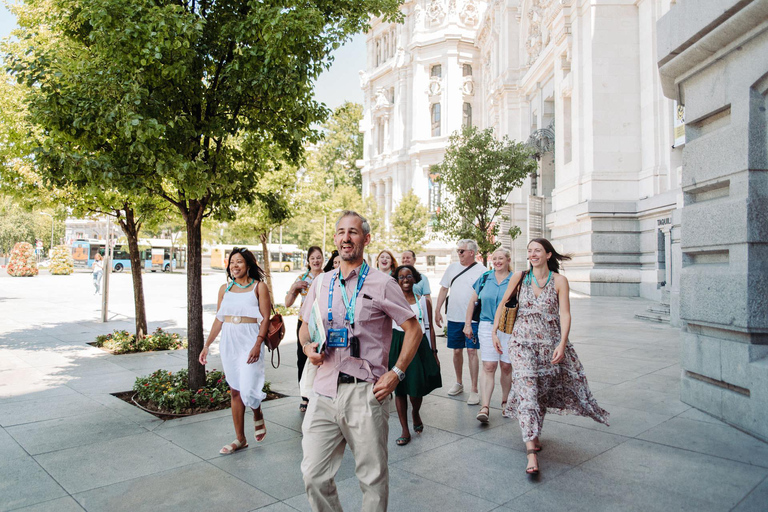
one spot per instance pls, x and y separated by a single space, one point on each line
466 119
435 117
467 70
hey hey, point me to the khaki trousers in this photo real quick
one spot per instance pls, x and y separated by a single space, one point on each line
356 418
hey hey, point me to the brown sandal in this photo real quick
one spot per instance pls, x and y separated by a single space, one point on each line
482 417
532 470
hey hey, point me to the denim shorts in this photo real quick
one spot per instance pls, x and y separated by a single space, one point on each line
456 338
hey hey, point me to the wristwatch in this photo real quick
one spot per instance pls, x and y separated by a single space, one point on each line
400 373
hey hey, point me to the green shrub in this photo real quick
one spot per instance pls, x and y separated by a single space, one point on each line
279 308
168 391
123 342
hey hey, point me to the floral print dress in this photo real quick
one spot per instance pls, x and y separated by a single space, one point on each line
538 386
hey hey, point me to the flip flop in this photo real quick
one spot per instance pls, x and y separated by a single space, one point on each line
233 447
259 431
418 428
402 441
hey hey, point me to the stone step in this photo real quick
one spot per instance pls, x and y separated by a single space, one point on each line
653 317
661 309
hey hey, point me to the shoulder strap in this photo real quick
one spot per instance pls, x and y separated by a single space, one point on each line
485 279
459 274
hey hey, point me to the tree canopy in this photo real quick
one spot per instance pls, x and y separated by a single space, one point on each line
409 223
479 171
163 97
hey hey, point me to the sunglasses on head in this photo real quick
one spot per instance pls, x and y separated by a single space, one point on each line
241 250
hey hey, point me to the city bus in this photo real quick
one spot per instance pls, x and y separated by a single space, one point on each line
154 252
284 258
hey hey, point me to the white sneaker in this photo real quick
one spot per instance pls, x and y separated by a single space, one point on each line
474 399
456 389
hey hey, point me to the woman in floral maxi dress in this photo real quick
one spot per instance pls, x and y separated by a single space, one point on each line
547 376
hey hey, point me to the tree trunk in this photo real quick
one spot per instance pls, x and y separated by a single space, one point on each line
131 231
194 220
267 264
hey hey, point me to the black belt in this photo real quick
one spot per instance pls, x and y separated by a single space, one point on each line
348 379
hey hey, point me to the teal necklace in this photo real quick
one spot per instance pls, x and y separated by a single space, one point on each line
537 281
239 285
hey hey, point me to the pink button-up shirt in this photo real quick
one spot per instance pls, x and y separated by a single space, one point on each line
379 302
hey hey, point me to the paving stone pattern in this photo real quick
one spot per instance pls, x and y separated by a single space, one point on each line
66 444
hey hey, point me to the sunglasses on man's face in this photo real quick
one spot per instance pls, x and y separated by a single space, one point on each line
461 251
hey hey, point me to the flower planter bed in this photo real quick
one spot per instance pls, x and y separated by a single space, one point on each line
123 342
164 394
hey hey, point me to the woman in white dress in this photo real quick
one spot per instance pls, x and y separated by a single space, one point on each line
243 305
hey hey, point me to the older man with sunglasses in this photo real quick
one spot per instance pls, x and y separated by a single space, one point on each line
459 278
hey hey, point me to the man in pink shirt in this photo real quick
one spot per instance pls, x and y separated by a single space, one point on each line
353 384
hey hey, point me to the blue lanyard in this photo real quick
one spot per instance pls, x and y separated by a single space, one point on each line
421 314
348 305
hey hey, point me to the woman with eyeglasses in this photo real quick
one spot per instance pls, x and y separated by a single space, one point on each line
424 371
301 287
243 306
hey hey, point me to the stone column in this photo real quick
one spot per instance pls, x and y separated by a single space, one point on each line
388 203
719 71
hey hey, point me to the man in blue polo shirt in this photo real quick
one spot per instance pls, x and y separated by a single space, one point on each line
459 278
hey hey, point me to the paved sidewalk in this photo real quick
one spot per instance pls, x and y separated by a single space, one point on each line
66 444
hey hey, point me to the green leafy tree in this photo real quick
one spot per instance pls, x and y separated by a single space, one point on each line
479 171
409 223
341 146
131 213
163 97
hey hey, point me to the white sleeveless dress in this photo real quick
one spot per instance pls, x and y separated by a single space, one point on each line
237 340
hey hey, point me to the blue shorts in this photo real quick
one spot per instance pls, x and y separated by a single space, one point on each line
456 338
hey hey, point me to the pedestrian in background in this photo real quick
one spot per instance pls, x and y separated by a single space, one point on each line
489 290
242 307
547 376
352 384
98 271
333 261
459 278
424 371
386 262
300 287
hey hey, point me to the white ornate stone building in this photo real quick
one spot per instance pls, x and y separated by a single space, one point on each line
579 80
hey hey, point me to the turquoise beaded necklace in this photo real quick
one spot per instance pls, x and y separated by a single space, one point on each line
243 286
537 281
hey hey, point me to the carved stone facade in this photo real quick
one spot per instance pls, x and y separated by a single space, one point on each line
609 192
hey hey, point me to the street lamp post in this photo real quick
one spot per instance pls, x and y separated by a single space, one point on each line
51 216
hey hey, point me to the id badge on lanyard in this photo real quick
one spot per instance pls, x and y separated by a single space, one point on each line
339 337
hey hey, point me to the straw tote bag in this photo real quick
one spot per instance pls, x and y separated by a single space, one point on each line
509 313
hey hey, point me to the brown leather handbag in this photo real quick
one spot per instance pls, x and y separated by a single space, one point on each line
509 313
275 335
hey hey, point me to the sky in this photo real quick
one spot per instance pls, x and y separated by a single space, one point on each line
339 84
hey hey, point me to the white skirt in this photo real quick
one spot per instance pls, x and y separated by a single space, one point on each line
237 340
487 352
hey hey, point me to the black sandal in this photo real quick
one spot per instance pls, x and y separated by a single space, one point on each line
402 441
303 405
532 470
